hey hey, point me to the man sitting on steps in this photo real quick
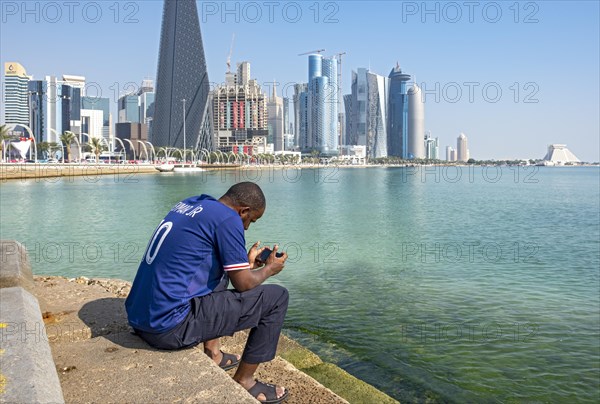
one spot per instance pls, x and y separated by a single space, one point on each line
179 297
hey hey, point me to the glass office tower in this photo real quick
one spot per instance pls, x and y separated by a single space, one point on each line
398 114
322 132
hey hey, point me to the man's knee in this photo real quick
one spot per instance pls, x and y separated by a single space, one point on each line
278 294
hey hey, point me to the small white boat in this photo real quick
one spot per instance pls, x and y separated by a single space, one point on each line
187 169
165 168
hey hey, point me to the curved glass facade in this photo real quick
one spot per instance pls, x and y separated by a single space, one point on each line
416 124
322 111
315 63
398 112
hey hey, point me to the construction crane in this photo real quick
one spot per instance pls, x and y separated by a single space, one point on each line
230 52
315 51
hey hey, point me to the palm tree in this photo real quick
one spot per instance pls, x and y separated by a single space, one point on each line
97 146
42 149
315 154
3 136
67 138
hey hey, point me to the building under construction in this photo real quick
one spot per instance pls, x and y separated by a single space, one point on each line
240 113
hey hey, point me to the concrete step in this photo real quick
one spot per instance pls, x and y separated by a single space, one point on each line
98 359
121 368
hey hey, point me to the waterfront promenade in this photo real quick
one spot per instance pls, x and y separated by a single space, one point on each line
97 356
25 171
83 323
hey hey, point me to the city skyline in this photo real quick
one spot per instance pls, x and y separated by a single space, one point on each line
475 69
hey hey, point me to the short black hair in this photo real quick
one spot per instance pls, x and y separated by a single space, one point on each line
246 194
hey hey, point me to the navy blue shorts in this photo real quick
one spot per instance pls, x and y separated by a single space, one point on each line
261 309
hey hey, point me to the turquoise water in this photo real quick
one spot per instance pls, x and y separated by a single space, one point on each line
480 287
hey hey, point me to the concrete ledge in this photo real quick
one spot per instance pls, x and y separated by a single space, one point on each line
15 269
28 373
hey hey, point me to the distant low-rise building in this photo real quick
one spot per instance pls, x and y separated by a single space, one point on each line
560 154
136 133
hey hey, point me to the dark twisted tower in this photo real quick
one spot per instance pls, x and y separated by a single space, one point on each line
181 75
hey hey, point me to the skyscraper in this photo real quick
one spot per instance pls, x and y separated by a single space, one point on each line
75 82
331 139
450 153
181 75
288 131
129 108
38 105
300 115
398 114
322 133
243 73
275 113
416 124
367 113
432 147
462 152
239 109
147 97
16 97
70 113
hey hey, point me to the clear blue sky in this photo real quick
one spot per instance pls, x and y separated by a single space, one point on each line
543 56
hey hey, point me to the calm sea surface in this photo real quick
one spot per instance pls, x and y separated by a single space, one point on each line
478 284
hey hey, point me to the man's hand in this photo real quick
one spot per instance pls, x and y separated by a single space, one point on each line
275 263
247 279
253 253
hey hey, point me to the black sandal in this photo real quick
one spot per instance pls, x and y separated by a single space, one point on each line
229 361
269 390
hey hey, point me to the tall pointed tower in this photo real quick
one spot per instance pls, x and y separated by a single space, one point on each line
181 75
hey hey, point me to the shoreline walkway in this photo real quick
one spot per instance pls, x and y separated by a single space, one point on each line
97 358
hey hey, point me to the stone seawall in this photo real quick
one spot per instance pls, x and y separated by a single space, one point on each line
67 172
76 346
27 371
